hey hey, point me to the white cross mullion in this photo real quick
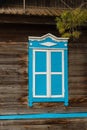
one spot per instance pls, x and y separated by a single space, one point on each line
48 73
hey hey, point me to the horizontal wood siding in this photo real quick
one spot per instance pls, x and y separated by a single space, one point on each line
47 124
14 80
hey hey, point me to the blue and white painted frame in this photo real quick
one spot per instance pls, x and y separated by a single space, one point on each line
47 43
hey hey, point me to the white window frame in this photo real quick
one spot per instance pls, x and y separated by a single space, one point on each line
48 73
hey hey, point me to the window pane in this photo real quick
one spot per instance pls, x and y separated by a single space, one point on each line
56 61
40 61
40 85
56 84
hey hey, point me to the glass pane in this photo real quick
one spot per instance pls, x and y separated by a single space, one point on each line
56 84
56 61
40 61
40 85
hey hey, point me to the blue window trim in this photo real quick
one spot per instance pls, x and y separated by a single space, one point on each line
30 74
43 116
66 76
42 43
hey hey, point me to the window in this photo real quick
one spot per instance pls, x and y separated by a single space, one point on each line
48 75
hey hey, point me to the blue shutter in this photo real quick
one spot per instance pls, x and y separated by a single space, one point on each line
56 62
40 61
40 78
56 85
56 78
40 85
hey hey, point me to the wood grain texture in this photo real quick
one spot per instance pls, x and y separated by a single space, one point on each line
14 87
14 80
47 124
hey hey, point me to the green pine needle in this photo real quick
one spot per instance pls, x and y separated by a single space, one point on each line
69 20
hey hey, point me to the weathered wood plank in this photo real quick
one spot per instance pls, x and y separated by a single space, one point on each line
44 124
13 81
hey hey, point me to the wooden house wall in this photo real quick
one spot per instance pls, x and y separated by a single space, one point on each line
14 80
